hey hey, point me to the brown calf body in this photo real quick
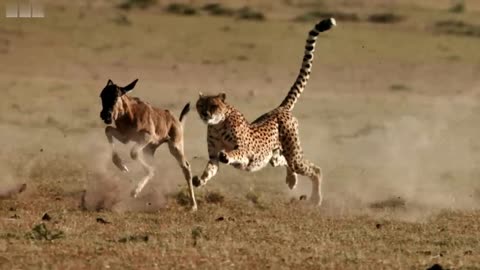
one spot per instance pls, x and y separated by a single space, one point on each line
147 126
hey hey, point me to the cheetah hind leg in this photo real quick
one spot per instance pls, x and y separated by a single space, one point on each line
298 164
291 178
279 160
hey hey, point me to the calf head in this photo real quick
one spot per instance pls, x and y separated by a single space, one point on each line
110 96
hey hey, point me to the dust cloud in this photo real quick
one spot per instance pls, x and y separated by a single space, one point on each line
106 188
55 163
420 162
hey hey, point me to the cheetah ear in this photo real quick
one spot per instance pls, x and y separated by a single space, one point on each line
109 82
222 96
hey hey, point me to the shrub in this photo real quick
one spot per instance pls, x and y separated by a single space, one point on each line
181 9
143 4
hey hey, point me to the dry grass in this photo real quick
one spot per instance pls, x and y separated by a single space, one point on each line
391 115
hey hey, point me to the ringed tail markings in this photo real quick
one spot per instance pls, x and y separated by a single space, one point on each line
302 78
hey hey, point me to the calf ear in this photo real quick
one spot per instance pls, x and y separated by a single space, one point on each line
129 87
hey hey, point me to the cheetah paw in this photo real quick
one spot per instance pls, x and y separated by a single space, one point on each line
197 182
222 157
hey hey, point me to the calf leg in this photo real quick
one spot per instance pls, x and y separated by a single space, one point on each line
176 149
137 154
111 133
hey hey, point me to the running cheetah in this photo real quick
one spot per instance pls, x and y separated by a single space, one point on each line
272 138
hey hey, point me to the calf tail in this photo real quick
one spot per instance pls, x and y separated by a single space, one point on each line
184 112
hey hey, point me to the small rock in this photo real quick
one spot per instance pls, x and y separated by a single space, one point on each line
378 226
23 187
435 267
102 221
220 219
46 217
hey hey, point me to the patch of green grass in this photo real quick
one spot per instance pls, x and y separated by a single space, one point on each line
41 232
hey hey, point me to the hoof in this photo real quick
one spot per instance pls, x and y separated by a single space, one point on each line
134 194
119 163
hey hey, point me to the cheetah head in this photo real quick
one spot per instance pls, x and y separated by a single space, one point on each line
212 109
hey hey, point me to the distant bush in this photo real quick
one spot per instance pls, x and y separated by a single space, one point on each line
122 19
181 9
385 18
458 7
456 27
399 88
143 4
316 15
217 9
246 13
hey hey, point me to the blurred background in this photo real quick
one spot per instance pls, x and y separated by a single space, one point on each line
391 109
390 114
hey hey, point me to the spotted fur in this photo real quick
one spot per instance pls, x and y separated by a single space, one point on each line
272 138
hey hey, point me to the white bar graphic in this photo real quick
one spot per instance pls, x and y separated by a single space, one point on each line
24 9
37 10
11 10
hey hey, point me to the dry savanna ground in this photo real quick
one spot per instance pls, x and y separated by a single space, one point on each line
391 114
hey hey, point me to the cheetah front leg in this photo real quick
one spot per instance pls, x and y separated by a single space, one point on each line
237 158
210 171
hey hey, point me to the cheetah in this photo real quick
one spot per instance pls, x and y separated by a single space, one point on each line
271 139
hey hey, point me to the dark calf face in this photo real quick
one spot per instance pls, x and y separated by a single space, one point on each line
110 96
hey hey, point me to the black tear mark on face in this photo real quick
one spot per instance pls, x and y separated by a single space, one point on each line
207 106
109 96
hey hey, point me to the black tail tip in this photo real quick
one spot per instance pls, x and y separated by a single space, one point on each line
325 25
185 110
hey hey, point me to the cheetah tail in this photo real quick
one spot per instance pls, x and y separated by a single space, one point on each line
304 74
184 112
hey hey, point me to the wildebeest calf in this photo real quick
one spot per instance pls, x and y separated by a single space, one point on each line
147 126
